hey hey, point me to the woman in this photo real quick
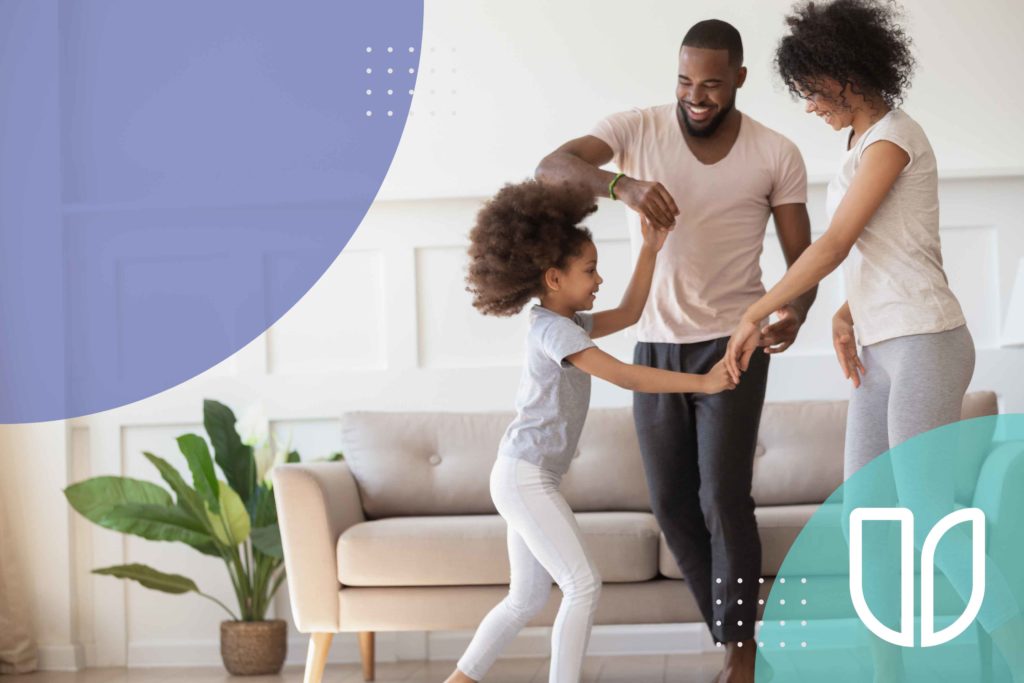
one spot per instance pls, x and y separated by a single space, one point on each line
850 60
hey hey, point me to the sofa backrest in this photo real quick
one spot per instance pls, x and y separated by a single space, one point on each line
439 463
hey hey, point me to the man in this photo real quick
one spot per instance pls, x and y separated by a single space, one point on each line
712 175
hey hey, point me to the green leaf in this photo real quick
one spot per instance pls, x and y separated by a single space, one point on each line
335 457
160 523
231 526
204 479
94 498
262 506
235 458
151 578
293 456
188 499
267 540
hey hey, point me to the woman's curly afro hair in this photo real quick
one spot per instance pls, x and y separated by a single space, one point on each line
855 42
519 234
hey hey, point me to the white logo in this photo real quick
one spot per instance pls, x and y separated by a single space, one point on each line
905 636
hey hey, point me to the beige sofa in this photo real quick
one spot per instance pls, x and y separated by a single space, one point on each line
402 535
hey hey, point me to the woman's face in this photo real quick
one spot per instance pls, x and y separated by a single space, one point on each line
827 101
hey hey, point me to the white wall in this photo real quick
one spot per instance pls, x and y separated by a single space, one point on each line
389 326
502 83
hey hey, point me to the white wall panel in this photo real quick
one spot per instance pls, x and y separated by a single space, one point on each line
453 334
329 329
971 265
161 627
313 439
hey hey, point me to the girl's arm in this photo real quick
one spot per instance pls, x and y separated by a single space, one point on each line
633 301
596 362
881 164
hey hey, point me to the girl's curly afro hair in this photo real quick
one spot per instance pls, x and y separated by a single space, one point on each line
521 232
855 42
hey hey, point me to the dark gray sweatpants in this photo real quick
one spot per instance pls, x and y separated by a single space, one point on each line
698 454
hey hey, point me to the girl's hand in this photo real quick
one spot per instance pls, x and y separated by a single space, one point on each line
845 343
654 238
742 344
717 379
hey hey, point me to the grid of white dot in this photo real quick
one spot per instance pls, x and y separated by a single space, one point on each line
782 580
391 70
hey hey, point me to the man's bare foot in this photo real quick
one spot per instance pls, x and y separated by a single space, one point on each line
739 662
459 677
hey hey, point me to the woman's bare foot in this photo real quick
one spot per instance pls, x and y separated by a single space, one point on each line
459 677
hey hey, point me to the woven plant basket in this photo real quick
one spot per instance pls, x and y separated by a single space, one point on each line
253 648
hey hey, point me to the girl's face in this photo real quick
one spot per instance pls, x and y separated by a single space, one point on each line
579 282
828 102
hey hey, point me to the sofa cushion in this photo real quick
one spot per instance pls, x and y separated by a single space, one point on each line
799 456
409 464
778 525
472 550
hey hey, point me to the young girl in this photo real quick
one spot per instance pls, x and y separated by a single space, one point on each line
528 243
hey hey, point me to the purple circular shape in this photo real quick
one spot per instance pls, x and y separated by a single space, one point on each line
174 177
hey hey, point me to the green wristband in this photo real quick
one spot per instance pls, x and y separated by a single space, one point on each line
611 185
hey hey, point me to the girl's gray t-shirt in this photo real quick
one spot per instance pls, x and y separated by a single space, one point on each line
553 396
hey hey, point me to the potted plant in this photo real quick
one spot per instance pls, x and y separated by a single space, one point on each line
234 518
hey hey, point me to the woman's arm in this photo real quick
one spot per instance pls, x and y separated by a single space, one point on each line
633 301
881 164
596 362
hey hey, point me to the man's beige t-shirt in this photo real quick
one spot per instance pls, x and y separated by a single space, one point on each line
709 270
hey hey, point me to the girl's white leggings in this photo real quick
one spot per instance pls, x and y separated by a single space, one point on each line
544 543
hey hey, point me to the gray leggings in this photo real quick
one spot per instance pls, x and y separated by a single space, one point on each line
914 384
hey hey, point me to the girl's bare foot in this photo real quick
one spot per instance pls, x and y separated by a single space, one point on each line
459 677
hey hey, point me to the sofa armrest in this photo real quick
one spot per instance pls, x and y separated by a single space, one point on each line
316 502
998 495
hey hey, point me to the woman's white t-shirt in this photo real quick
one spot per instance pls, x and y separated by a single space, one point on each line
895 282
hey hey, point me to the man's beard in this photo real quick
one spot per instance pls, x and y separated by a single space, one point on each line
712 125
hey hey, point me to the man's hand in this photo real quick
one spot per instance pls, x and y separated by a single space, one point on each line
649 199
781 334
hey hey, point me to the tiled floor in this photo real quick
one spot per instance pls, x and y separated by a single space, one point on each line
697 668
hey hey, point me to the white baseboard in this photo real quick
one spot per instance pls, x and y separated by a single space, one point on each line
194 653
61 657
441 645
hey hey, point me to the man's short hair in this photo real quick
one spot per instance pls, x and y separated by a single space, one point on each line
715 34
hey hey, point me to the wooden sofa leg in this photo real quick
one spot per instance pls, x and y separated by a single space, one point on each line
366 653
319 644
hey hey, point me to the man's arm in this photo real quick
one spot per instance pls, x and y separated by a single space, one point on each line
793 226
579 161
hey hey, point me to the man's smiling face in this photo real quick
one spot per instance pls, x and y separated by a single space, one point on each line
706 89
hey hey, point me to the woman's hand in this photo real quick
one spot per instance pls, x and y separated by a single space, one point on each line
654 237
742 344
845 343
717 379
